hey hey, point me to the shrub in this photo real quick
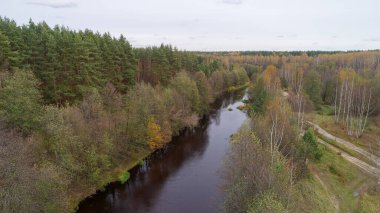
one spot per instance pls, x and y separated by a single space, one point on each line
124 177
312 148
266 202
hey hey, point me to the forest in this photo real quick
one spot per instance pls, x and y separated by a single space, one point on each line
75 105
78 109
276 160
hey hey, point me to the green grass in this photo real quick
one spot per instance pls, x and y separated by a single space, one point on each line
370 203
343 179
347 150
326 110
310 196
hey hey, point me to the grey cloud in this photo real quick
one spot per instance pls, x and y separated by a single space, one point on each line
280 36
372 39
235 2
55 5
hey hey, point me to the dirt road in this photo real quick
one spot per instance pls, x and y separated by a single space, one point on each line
346 143
361 164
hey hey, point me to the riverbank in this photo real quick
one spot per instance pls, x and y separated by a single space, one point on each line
135 160
114 175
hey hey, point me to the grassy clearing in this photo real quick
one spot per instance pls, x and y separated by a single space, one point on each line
370 202
326 110
311 197
355 190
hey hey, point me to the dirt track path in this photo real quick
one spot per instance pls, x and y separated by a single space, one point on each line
347 144
361 164
333 198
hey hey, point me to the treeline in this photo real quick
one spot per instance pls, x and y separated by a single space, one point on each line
70 64
157 65
282 53
77 106
347 82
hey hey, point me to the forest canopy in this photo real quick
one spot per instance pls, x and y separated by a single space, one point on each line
74 105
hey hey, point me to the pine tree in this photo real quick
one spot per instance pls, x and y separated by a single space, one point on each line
313 88
5 53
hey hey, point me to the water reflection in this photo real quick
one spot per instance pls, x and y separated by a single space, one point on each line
182 177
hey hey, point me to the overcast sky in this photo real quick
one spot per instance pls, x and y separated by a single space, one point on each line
216 24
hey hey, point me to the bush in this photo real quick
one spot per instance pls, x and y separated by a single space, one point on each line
312 148
266 202
124 177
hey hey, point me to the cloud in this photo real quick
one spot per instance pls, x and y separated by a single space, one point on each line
280 36
372 39
55 5
234 2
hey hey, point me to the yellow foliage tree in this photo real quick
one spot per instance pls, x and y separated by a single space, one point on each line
155 135
271 79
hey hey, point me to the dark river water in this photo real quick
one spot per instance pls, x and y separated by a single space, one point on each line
185 176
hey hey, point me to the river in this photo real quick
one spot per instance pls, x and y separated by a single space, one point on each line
183 177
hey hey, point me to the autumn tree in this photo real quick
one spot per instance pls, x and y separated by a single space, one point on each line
187 88
249 173
155 138
205 91
271 79
353 99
